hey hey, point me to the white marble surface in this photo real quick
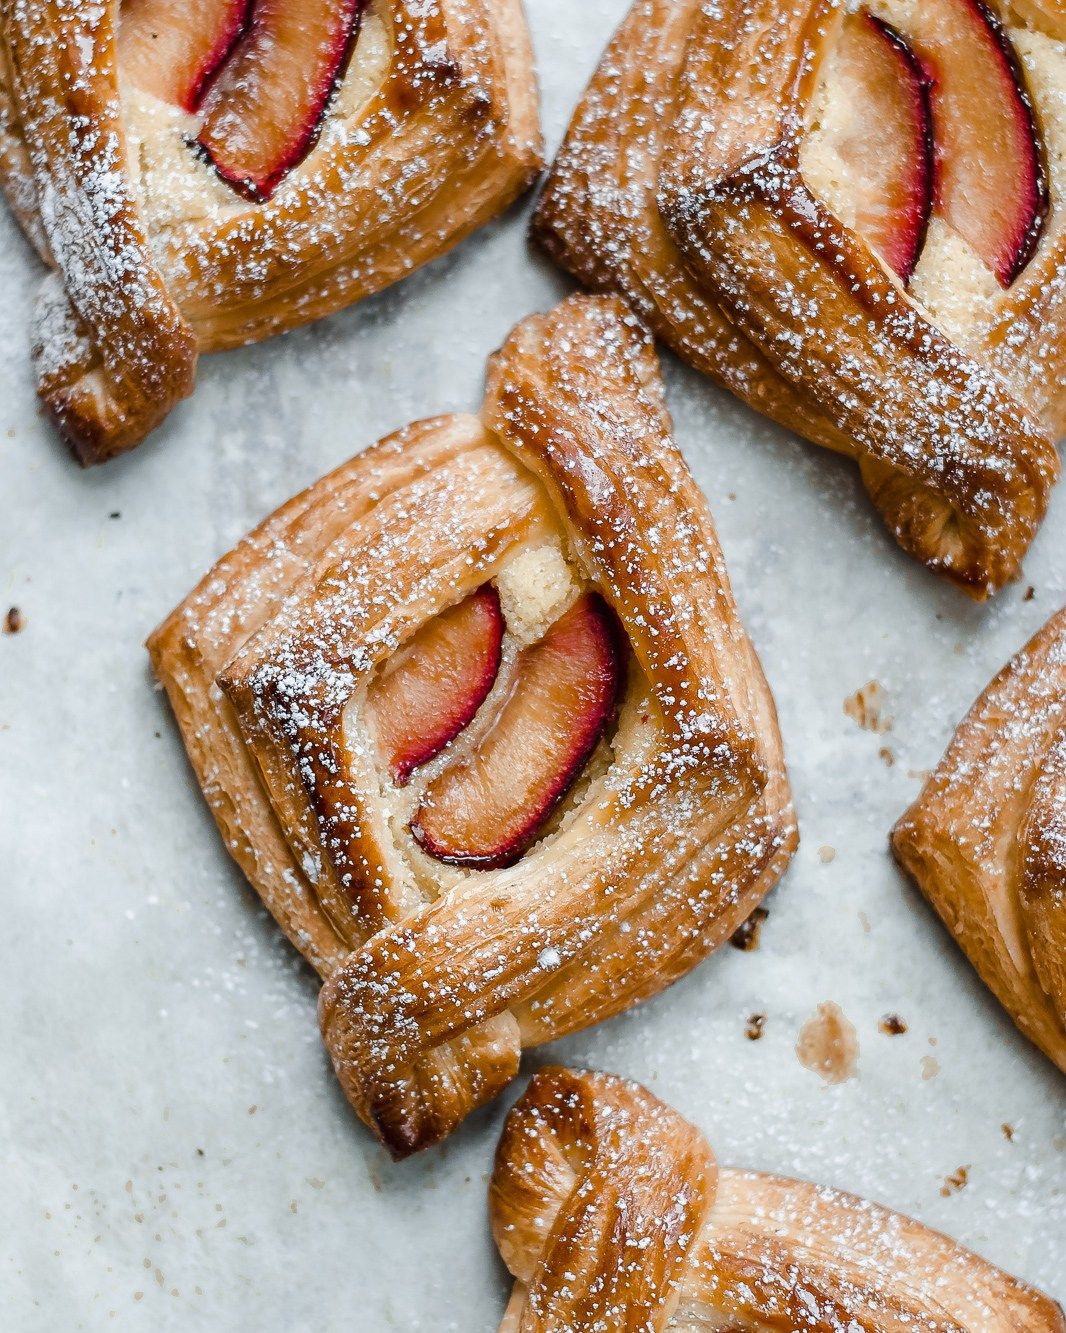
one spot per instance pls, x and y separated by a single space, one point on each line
177 1153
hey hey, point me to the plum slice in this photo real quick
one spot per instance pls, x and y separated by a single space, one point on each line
485 810
991 179
436 683
263 113
174 49
887 144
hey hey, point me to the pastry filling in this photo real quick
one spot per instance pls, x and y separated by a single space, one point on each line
487 719
244 87
925 137
435 685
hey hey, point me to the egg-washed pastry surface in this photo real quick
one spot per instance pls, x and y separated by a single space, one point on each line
477 717
986 839
203 175
611 1212
851 216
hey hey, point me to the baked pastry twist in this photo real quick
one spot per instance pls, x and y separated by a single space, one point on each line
851 220
477 717
986 839
611 1213
201 176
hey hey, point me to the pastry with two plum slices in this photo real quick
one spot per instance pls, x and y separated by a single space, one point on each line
851 216
986 839
611 1212
477 717
200 176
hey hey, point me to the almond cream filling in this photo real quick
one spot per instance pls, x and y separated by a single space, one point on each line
174 185
536 586
952 284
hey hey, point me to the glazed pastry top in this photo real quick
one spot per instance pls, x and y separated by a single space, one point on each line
611 1212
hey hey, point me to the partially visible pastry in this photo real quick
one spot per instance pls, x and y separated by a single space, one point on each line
986 839
477 716
611 1213
203 175
851 216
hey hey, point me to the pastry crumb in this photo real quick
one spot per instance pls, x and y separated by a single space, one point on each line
827 854
14 621
1008 1131
930 1067
887 757
828 1044
867 708
746 935
754 1030
892 1025
958 1180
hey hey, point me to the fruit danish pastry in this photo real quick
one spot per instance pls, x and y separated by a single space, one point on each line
611 1213
850 216
203 175
477 717
986 839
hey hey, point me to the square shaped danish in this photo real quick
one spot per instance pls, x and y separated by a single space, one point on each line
477 717
986 839
612 1213
850 215
204 175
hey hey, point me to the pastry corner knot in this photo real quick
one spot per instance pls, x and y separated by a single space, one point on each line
611 1213
986 839
598 1195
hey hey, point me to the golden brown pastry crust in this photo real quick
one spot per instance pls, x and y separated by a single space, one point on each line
447 141
611 1212
112 351
429 1000
986 839
679 185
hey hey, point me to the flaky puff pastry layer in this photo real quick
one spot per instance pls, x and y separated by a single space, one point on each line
679 185
447 136
611 1213
433 988
986 839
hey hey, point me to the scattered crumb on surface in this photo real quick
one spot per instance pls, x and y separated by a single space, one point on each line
867 708
1008 1131
930 1067
892 1025
827 854
958 1180
828 1044
887 757
14 621
754 1030
746 935
1030 593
